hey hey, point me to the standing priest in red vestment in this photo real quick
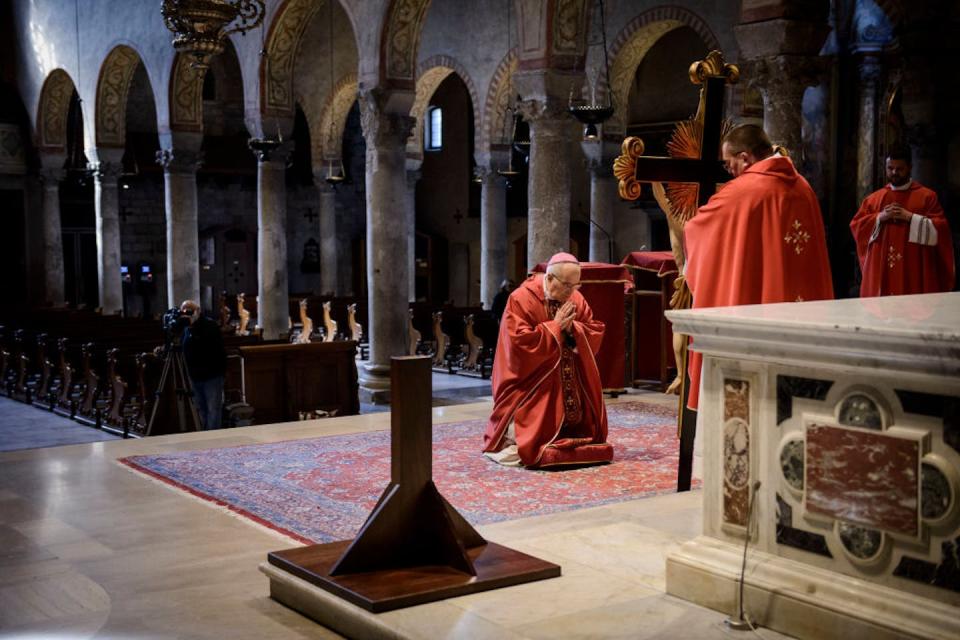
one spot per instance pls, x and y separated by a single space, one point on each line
759 239
547 397
903 239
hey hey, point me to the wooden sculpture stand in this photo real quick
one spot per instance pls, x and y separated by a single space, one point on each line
414 547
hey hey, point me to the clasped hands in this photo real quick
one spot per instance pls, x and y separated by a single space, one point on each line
894 212
565 315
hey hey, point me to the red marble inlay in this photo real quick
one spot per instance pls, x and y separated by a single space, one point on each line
736 451
863 477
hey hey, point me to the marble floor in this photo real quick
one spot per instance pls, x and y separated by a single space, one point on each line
90 549
23 426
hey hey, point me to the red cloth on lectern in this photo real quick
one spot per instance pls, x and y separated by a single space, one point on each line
528 382
604 286
661 262
759 239
892 265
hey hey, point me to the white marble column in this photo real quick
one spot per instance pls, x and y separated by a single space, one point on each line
53 272
328 238
183 245
548 190
867 126
387 242
493 235
106 174
410 208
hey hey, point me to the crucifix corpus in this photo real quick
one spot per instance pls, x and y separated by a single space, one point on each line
691 174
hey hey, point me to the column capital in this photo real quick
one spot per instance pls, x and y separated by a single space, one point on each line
544 110
105 172
270 150
383 128
179 160
788 75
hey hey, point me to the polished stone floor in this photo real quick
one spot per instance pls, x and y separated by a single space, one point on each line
23 426
89 548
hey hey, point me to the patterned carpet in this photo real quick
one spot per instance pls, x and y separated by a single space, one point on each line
322 489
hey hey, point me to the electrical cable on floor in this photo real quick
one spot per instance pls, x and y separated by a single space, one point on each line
741 622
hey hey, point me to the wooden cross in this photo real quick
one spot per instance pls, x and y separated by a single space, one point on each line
705 171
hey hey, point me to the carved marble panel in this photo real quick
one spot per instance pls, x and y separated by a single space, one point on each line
736 451
790 536
861 477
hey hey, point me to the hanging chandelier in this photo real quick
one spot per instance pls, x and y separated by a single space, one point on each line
200 27
591 113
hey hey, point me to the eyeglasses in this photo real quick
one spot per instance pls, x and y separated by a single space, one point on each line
566 285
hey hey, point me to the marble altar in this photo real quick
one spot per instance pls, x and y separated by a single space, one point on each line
842 418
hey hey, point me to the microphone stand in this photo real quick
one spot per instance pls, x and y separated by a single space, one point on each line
608 236
741 623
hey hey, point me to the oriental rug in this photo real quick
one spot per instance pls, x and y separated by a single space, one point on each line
322 489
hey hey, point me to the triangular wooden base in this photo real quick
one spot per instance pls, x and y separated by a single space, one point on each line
414 547
387 589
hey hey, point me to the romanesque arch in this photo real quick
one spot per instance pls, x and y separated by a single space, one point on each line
327 136
113 88
282 43
496 130
186 95
400 41
430 74
52 112
631 46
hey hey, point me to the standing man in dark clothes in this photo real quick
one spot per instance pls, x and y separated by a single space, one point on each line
206 361
500 300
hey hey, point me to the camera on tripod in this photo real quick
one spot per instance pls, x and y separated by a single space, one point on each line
173 409
175 322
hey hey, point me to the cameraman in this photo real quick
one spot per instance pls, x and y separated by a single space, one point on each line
206 361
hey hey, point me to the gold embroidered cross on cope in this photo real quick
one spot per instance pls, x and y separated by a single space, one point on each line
798 237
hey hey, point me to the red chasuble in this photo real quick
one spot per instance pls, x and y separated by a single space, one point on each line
550 390
891 264
759 239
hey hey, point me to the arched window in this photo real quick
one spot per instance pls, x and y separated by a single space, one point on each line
433 129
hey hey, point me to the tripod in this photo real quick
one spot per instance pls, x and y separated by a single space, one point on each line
173 409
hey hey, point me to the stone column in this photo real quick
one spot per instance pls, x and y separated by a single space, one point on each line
273 309
106 174
603 189
779 56
493 235
180 204
328 238
548 191
782 81
53 272
386 134
867 126
410 209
